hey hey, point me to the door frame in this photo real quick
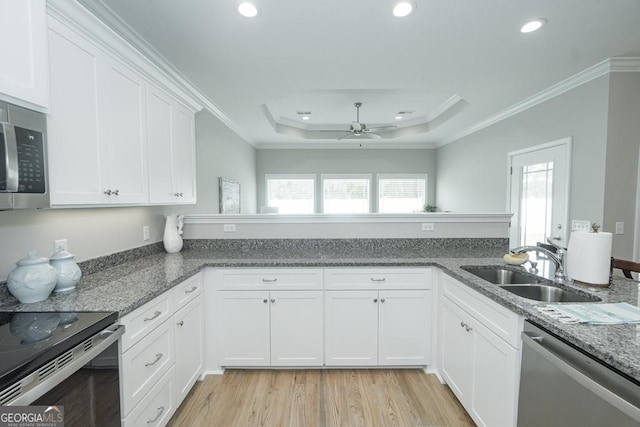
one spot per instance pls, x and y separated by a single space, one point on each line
563 142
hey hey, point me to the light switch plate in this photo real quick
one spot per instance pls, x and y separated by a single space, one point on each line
229 228
145 232
428 226
619 227
60 244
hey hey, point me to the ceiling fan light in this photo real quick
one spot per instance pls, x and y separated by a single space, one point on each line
247 9
306 118
399 117
403 8
533 25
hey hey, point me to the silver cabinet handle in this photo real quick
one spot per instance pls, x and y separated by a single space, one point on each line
273 300
158 357
270 280
155 315
108 192
160 411
265 300
378 280
180 323
116 192
193 288
466 327
382 300
177 194
462 324
375 300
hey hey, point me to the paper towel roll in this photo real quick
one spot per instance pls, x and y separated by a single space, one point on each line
589 257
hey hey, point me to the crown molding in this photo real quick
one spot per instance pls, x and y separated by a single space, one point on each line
111 20
630 64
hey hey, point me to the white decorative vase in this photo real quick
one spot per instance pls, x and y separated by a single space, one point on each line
172 231
33 279
69 273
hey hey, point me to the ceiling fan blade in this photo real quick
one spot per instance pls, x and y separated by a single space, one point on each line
376 128
372 135
345 136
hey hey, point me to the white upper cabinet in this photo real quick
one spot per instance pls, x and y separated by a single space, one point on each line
171 149
97 125
117 135
125 127
23 43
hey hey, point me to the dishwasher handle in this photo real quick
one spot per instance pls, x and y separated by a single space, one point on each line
537 342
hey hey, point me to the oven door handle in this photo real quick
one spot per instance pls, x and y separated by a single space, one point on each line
536 342
32 387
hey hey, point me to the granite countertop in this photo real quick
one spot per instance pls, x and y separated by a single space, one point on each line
129 285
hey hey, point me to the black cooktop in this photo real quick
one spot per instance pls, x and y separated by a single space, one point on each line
28 340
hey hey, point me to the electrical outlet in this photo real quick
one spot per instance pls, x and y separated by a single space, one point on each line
145 232
229 228
428 226
619 227
580 225
60 245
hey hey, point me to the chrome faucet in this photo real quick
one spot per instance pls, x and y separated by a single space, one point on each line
558 258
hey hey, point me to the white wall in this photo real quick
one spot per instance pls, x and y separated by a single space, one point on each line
472 172
90 232
221 153
623 144
363 160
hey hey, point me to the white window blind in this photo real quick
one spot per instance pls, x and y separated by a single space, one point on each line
401 193
346 193
293 194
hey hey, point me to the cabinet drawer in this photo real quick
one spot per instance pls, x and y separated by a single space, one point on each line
378 278
269 278
187 291
144 363
157 408
500 320
144 319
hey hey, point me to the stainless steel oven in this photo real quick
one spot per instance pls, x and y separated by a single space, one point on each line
66 360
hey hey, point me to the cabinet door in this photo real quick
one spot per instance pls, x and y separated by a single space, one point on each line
75 162
351 328
243 317
296 328
495 375
23 43
189 353
184 160
126 140
456 346
160 149
404 327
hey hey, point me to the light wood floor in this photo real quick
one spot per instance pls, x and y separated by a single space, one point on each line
310 398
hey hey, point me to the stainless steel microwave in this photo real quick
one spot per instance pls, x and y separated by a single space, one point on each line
23 158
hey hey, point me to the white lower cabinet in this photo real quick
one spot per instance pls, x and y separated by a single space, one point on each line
270 328
161 354
371 327
158 407
481 368
189 339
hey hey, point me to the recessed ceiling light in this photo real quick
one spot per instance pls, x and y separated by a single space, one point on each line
398 117
248 10
533 25
306 117
403 8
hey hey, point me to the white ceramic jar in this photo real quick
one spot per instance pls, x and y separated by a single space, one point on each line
69 273
33 279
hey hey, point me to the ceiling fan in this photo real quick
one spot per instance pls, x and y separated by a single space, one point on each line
357 129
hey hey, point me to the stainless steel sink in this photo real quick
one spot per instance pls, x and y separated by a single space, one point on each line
527 285
502 276
547 293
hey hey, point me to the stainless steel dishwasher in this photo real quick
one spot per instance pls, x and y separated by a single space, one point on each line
562 386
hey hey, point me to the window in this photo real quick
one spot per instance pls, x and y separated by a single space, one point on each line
401 193
291 194
347 193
